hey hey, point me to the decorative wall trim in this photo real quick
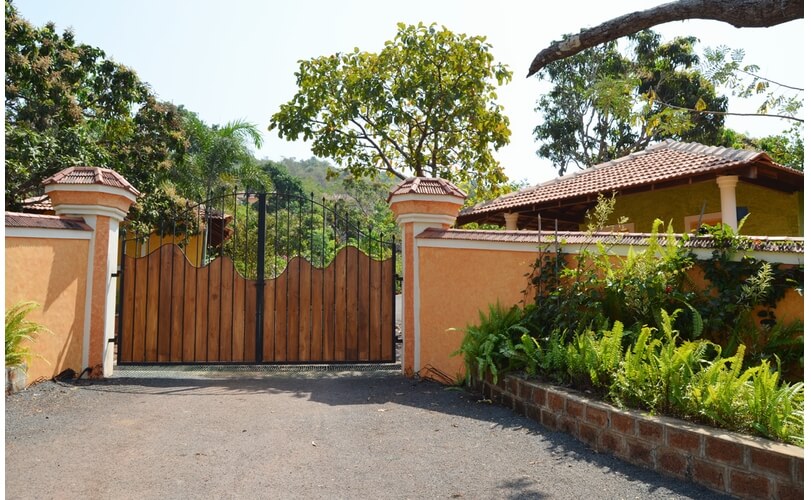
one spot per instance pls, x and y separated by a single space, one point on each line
38 232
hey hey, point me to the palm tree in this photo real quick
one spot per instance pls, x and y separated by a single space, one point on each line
218 156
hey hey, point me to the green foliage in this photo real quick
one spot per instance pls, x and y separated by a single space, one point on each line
67 104
424 106
776 409
604 105
20 330
787 149
649 365
592 360
724 66
736 289
657 369
658 372
716 395
490 346
601 289
218 157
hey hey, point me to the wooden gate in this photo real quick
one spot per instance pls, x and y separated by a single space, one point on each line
257 279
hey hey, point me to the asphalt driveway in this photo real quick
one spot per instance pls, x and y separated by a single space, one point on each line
297 435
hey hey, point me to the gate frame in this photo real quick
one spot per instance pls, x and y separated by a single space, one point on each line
261 245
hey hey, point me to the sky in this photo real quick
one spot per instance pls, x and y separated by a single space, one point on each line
237 59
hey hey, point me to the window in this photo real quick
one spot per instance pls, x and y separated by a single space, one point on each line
691 221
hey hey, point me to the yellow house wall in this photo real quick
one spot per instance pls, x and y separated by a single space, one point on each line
192 248
772 213
53 273
455 284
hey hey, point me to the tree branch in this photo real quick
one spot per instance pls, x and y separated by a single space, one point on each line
741 14
770 81
708 112
376 146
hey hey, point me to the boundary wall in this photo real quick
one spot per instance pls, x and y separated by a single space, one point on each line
67 263
48 264
451 275
462 272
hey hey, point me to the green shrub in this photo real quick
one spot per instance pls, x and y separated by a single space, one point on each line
717 394
776 409
19 330
592 359
656 372
491 345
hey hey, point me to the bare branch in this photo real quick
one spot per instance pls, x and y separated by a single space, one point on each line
738 13
729 113
755 75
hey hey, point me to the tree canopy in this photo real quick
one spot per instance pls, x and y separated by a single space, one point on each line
424 105
67 104
604 105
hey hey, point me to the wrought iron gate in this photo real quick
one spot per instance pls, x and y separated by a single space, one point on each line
256 278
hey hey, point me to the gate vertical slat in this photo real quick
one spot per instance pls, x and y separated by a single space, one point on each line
221 291
164 305
121 295
235 284
187 332
260 278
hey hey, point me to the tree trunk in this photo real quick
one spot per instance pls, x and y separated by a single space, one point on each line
738 13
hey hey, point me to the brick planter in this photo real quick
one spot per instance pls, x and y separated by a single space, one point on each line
744 466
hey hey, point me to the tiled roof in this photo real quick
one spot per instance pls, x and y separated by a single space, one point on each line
426 185
91 175
38 204
15 219
757 243
664 161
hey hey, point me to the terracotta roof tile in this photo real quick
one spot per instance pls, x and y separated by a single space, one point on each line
91 175
15 219
758 243
426 185
666 160
38 204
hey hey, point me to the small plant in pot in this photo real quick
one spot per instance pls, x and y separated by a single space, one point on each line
19 332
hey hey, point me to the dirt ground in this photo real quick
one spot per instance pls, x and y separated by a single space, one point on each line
297 435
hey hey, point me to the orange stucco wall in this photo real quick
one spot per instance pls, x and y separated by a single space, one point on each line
455 284
53 273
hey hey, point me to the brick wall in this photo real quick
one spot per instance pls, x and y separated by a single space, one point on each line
743 466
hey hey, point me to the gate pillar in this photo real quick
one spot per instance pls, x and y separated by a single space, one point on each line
419 203
102 197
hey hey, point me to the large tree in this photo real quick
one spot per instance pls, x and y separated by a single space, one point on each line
603 105
424 105
67 104
738 13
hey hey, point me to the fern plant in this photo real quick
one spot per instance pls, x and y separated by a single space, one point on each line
19 331
656 372
776 409
718 394
490 345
